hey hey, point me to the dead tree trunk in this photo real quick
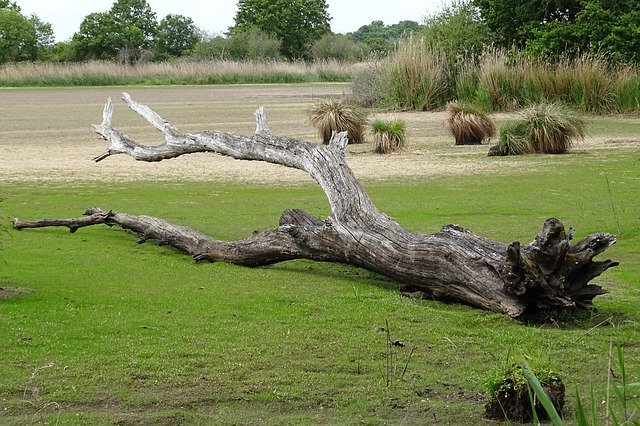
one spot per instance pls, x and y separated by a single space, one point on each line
453 264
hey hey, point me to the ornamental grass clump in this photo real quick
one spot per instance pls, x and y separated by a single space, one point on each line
552 128
513 140
468 124
543 128
388 136
331 116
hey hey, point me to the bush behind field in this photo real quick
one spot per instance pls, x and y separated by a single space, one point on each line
104 73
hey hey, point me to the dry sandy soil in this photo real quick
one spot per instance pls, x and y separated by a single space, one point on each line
45 135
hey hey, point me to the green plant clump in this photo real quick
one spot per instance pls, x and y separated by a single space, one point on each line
552 128
510 394
389 136
543 128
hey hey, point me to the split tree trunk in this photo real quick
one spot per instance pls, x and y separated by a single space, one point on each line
453 264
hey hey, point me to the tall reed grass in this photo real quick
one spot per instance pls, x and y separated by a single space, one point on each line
588 83
419 76
416 76
99 73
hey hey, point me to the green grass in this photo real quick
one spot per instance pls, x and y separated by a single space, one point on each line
139 333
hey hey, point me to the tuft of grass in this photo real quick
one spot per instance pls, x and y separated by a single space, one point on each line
552 128
509 388
513 140
468 124
331 116
388 136
543 128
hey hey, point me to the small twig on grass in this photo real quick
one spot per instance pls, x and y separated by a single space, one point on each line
613 207
406 365
389 354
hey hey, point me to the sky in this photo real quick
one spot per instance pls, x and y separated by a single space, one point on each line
216 16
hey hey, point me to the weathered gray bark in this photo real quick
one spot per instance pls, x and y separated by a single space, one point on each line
453 264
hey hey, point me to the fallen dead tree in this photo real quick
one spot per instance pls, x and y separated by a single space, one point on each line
454 264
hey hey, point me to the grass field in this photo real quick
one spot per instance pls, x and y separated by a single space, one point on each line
97 329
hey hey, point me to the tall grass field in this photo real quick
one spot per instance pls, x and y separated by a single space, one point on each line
97 329
422 77
105 73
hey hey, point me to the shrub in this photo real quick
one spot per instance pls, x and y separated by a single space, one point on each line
339 47
388 136
468 124
367 86
252 44
336 115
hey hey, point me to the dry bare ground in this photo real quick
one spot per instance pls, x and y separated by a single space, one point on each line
45 135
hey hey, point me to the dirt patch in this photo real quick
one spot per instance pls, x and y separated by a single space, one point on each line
45 136
8 292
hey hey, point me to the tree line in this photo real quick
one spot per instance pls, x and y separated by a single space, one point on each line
300 30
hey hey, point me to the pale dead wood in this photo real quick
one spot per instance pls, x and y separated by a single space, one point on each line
453 264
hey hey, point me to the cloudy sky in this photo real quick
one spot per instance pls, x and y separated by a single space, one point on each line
216 16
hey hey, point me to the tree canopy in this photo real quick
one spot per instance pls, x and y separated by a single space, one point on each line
17 36
126 30
457 30
22 38
380 38
553 28
296 23
176 36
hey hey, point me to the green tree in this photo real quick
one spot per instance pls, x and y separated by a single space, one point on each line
512 23
599 27
457 30
124 32
44 40
554 28
380 38
17 36
176 36
99 37
6 4
136 19
296 23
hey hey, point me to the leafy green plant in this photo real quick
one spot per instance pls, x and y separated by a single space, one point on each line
468 124
388 136
331 116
